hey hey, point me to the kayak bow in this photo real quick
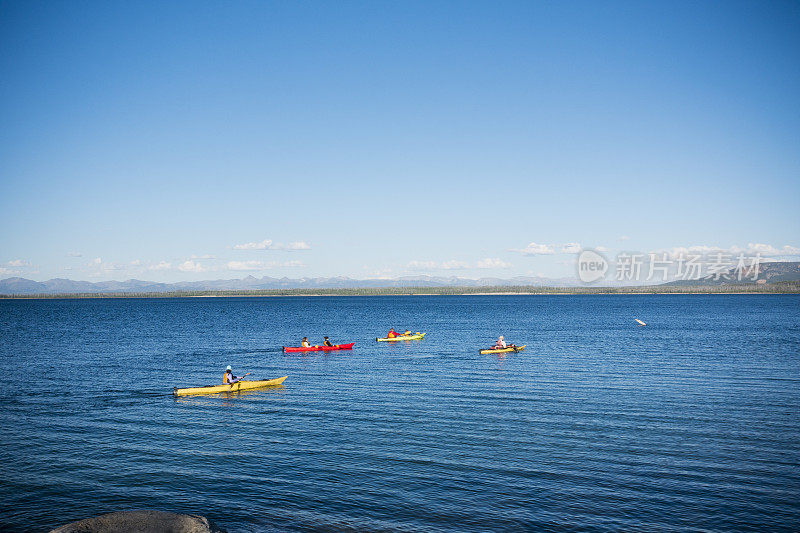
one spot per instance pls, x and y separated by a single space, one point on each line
415 337
503 350
319 348
236 387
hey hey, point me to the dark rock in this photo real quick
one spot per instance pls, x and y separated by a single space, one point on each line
141 522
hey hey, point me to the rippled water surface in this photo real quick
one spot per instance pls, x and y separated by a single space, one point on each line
689 423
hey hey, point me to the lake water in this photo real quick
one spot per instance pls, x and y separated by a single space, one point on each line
691 423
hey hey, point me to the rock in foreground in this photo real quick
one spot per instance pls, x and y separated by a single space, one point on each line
141 522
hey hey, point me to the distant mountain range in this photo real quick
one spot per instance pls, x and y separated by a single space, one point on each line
24 286
768 273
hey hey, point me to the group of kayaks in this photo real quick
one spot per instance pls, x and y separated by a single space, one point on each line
248 385
319 348
412 337
323 348
257 384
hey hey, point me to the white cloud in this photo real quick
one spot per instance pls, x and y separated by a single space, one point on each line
433 265
454 265
493 262
75 254
205 256
163 265
678 251
570 248
422 265
192 266
549 249
246 265
624 238
536 249
262 265
19 263
385 273
298 245
601 249
98 266
534 274
268 244
136 262
765 250
8 272
489 262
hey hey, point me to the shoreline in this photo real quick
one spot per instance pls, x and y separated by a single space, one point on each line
793 288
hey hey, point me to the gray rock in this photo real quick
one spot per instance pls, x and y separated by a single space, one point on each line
141 522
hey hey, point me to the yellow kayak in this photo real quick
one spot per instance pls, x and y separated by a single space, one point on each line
415 337
504 350
236 387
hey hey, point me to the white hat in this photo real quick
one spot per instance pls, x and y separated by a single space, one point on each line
229 367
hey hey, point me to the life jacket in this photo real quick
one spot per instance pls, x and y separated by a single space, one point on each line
225 378
392 335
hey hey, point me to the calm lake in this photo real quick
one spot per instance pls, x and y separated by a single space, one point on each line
691 423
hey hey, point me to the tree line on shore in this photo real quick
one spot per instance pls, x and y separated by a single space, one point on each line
787 287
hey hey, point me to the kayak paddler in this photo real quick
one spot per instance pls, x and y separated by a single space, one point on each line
392 334
502 344
328 342
305 343
228 378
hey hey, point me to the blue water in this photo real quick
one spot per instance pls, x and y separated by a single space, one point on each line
689 424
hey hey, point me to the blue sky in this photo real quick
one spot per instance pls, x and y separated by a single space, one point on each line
155 140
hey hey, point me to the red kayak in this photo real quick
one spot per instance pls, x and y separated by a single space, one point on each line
319 348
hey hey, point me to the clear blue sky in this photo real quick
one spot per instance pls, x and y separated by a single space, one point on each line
148 139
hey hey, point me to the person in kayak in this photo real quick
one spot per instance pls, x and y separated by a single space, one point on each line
502 345
328 342
305 343
392 334
228 378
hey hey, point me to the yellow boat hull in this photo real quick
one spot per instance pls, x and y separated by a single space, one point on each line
236 387
401 338
504 350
